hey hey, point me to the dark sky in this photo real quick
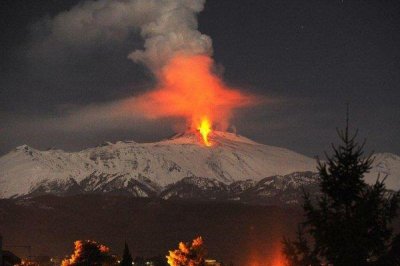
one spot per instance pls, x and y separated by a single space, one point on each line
311 57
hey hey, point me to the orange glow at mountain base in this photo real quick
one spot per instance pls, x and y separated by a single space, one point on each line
274 256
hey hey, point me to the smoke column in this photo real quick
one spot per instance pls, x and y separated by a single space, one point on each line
174 50
180 57
188 88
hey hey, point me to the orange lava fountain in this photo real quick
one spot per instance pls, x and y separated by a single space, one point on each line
205 129
189 88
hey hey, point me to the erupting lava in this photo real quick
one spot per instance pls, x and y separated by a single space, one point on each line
188 87
205 129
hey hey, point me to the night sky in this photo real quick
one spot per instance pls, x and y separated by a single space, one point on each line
309 58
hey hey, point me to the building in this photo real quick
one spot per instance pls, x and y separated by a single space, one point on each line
39 261
7 258
10 259
210 262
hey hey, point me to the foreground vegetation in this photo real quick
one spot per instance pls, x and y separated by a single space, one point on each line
351 222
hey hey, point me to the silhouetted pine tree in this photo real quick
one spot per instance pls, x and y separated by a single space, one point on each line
298 252
350 223
126 257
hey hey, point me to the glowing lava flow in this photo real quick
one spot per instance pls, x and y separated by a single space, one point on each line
205 129
189 88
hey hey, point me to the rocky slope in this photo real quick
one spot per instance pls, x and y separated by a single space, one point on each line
180 167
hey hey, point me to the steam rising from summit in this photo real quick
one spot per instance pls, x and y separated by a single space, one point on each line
188 88
168 27
173 31
178 55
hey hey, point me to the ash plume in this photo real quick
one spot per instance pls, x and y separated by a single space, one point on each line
167 27
173 49
174 31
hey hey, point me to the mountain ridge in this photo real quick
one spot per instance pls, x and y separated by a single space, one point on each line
150 169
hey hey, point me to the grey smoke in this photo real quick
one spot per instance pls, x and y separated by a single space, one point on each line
64 51
167 27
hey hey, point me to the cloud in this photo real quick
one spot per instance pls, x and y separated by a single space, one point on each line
166 27
84 54
77 127
173 32
73 56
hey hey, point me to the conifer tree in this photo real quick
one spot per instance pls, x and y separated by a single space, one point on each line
349 224
126 257
298 252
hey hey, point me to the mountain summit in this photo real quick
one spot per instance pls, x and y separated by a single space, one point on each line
147 169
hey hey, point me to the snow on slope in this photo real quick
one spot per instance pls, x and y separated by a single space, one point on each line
386 164
145 169
231 158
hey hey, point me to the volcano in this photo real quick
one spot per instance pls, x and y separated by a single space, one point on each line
234 167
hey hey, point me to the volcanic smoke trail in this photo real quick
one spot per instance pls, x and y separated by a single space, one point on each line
179 56
188 88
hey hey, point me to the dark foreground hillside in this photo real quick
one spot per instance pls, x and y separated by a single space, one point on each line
233 232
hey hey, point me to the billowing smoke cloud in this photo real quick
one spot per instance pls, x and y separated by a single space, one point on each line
189 88
173 32
167 27
178 55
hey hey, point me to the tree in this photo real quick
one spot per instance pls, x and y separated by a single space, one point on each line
126 257
188 255
298 251
89 253
349 224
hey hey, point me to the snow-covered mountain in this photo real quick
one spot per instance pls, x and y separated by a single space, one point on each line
287 189
234 164
386 164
